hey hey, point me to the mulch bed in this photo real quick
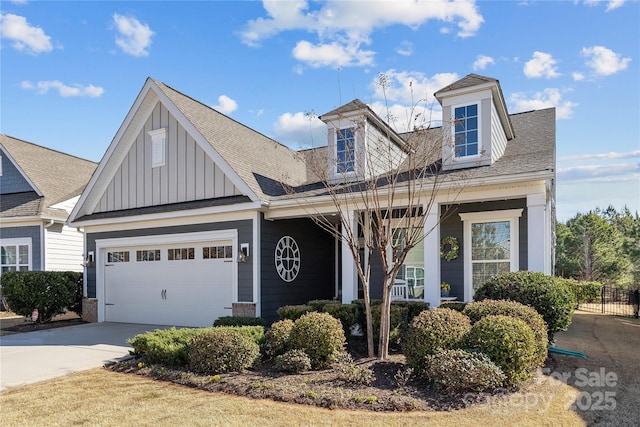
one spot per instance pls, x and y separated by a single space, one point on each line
30 327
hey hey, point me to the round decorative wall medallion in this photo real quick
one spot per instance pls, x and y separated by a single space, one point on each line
287 259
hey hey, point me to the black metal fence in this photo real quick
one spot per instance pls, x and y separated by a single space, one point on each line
615 301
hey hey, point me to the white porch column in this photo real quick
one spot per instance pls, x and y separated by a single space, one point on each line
432 257
349 273
538 236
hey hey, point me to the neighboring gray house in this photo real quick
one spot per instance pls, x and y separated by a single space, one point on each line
187 218
38 189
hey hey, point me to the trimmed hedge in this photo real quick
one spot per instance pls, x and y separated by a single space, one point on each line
277 338
219 350
477 310
584 292
548 295
432 331
454 305
345 313
509 342
51 292
239 321
165 346
293 312
320 335
458 371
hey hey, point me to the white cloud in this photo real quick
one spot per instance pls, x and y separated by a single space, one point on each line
599 173
482 61
611 4
603 61
300 130
541 65
226 105
134 38
405 48
43 87
342 27
332 54
409 87
600 156
577 76
24 36
550 97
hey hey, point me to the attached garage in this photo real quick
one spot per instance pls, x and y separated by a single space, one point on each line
183 280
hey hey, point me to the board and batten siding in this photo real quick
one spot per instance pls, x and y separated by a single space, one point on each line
63 248
11 180
188 172
498 137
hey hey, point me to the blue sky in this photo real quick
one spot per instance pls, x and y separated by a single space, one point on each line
70 71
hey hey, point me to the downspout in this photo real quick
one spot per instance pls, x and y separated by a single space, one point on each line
43 245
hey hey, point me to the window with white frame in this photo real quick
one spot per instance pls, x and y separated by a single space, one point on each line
158 143
490 246
15 255
466 131
345 150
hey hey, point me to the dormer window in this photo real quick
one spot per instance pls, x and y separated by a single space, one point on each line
466 130
345 150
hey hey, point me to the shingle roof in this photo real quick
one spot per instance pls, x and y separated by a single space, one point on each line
58 176
468 81
251 154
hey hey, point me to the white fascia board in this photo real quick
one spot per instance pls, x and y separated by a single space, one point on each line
22 221
194 215
19 169
205 145
469 89
115 153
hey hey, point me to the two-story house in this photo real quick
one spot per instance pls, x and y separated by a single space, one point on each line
191 215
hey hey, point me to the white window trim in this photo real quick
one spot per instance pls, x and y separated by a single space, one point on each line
475 157
23 241
511 215
158 146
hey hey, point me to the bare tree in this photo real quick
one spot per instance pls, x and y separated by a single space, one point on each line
381 190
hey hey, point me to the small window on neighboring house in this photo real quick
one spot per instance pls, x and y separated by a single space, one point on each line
466 131
15 256
345 150
158 142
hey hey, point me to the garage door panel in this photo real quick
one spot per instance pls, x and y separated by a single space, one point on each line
182 292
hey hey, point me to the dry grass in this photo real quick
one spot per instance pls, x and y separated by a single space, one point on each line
100 397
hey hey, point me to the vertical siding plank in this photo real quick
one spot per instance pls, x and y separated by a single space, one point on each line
164 170
218 182
228 187
182 177
140 169
124 184
190 168
208 177
132 176
172 160
155 172
200 159
148 179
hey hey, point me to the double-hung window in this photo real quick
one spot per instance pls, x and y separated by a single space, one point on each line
15 255
345 150
466 131
490 246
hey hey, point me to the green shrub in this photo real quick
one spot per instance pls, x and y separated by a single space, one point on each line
239 321
294 361
219 350
454 305
509 342
349 372
397 324
318 304
277 338
477 310
432 331
75 277
361 317
458 371
51 292
255 333
413 309
165 346
345 313
293 312
547 295
320 335
584 292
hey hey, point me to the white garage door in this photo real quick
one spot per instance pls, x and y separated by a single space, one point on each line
182 284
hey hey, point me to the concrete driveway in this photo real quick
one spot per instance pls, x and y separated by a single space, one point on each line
31 357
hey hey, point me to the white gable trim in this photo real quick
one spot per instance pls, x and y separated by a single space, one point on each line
19 169
124 139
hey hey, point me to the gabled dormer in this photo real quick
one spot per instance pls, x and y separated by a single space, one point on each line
360 144
476 125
